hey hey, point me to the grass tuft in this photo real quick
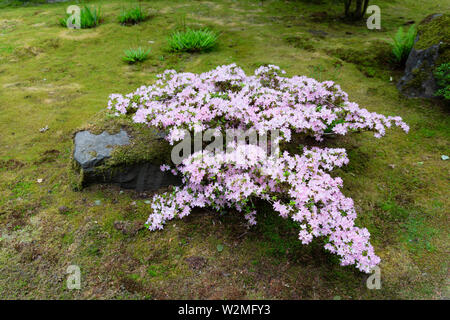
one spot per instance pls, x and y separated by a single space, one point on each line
90 17
136 55
132 16
191 40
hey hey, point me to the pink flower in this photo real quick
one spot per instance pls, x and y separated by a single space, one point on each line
299 186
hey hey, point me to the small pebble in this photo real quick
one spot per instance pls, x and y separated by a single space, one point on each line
98 202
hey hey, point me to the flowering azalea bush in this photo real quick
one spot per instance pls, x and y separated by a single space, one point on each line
297 186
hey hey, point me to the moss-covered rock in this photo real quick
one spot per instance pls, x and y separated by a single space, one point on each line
435 29
431 49
132 160
373 60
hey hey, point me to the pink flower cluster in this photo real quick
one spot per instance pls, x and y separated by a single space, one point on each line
266 101
298 186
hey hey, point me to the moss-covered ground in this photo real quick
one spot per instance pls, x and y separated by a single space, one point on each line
60 78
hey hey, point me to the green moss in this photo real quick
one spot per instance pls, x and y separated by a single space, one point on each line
75 176
372 60
419 235
433 32
302 42
419 77
93 154
145 146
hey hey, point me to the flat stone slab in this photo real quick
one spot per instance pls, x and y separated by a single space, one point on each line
92 152
91 149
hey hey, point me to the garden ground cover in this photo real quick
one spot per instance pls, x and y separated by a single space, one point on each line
60 78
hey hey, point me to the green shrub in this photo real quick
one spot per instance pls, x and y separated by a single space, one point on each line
191 40
90 17
136 55
403 43
442 76
132 16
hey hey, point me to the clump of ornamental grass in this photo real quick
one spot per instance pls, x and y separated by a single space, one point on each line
132 16
134 55
403 43
237 175
192 40
90 17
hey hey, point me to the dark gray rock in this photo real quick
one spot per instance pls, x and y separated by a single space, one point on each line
418 80
91 149
429 51
141 177
432 17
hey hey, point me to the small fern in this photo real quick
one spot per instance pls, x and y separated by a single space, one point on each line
403 43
